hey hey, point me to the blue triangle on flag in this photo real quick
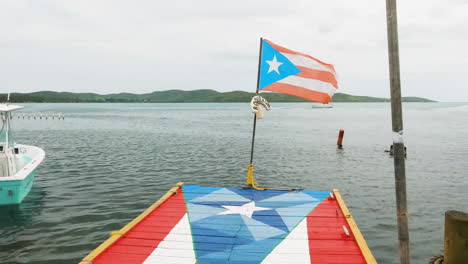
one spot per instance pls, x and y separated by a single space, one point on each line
252 194
273 219
274 66
228 223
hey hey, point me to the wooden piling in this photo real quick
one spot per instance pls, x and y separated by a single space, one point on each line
456 238
397 127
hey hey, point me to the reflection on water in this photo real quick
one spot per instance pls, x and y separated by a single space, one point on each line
21 215
16 220
105 163
12 215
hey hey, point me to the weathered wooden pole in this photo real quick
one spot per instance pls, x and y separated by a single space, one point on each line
456 238
397 127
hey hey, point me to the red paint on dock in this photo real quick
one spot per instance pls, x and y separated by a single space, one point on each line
144 238
327 241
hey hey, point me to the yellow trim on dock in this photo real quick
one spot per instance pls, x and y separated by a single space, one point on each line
366 253
115 235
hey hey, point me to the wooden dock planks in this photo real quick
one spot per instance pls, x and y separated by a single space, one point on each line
214 225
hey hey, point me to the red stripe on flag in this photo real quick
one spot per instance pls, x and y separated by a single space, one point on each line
285 50
323 76
298 91
327 241
137 244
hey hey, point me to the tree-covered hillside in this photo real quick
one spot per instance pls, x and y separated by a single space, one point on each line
178 96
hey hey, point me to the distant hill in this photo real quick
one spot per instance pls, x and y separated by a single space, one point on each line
178 96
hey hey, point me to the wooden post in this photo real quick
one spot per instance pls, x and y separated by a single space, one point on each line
397 127
456 238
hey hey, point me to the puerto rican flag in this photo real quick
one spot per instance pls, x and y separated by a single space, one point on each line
215 225
294 73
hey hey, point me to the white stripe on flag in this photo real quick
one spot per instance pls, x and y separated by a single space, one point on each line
302 61
293 249
169 251
311 84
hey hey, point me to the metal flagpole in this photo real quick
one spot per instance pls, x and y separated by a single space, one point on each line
250 178
397 127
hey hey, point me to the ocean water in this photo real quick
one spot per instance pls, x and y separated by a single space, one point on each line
106 163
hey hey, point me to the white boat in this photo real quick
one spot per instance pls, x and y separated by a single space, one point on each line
322 106
18 162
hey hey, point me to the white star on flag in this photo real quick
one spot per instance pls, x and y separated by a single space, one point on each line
246 209
274 65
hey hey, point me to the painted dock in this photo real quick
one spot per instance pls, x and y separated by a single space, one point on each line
208 225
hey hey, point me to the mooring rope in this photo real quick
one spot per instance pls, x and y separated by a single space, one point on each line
437 260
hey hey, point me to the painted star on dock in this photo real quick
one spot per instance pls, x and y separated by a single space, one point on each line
246 209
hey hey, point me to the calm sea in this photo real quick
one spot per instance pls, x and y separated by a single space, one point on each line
105 163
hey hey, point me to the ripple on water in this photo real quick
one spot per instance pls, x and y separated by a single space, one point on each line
104 166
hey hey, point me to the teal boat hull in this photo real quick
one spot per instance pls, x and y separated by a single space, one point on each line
14 192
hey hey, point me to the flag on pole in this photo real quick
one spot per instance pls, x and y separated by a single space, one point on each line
290 72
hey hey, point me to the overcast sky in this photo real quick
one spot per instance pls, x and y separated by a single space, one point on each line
110 46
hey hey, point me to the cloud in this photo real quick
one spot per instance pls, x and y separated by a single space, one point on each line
141 46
